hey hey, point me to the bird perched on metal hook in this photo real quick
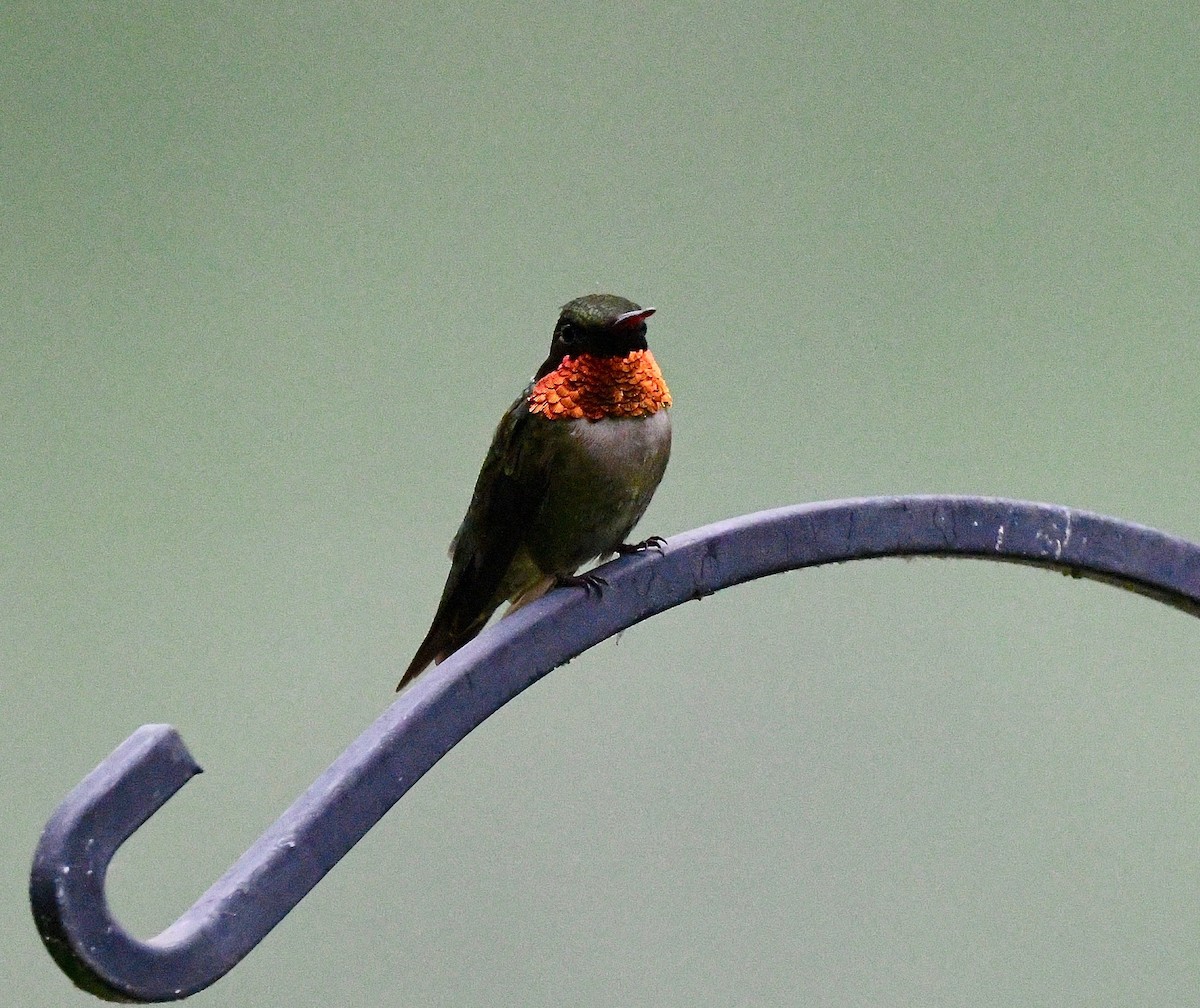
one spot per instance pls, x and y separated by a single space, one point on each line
571 469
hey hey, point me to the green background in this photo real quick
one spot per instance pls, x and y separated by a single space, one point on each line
271 273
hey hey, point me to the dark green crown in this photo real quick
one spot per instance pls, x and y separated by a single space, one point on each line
597 309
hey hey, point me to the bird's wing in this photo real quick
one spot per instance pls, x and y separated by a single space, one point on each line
507 494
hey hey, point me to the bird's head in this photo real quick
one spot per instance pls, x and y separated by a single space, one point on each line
597 325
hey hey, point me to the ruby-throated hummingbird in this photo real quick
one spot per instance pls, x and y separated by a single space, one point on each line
572 467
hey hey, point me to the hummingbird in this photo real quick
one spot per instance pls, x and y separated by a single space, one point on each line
570 471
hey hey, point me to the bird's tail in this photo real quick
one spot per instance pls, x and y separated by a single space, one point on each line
440 642
444 639
429 652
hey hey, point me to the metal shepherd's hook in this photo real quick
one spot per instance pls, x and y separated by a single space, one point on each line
444 704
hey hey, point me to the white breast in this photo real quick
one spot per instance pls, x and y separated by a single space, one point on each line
626 449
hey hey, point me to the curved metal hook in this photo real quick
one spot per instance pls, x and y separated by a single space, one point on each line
445 703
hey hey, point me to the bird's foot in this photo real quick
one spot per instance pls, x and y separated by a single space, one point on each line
589 581
654 543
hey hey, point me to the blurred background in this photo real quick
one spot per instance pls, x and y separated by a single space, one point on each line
272 272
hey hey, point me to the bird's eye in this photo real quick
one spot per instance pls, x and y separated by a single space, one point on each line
567 333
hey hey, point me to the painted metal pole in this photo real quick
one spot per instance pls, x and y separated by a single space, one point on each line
446 702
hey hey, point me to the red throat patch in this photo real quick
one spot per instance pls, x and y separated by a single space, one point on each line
593 388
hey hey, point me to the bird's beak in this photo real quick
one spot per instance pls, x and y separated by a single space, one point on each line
633 317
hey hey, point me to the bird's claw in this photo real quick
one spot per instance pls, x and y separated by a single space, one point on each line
654 543
589 581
